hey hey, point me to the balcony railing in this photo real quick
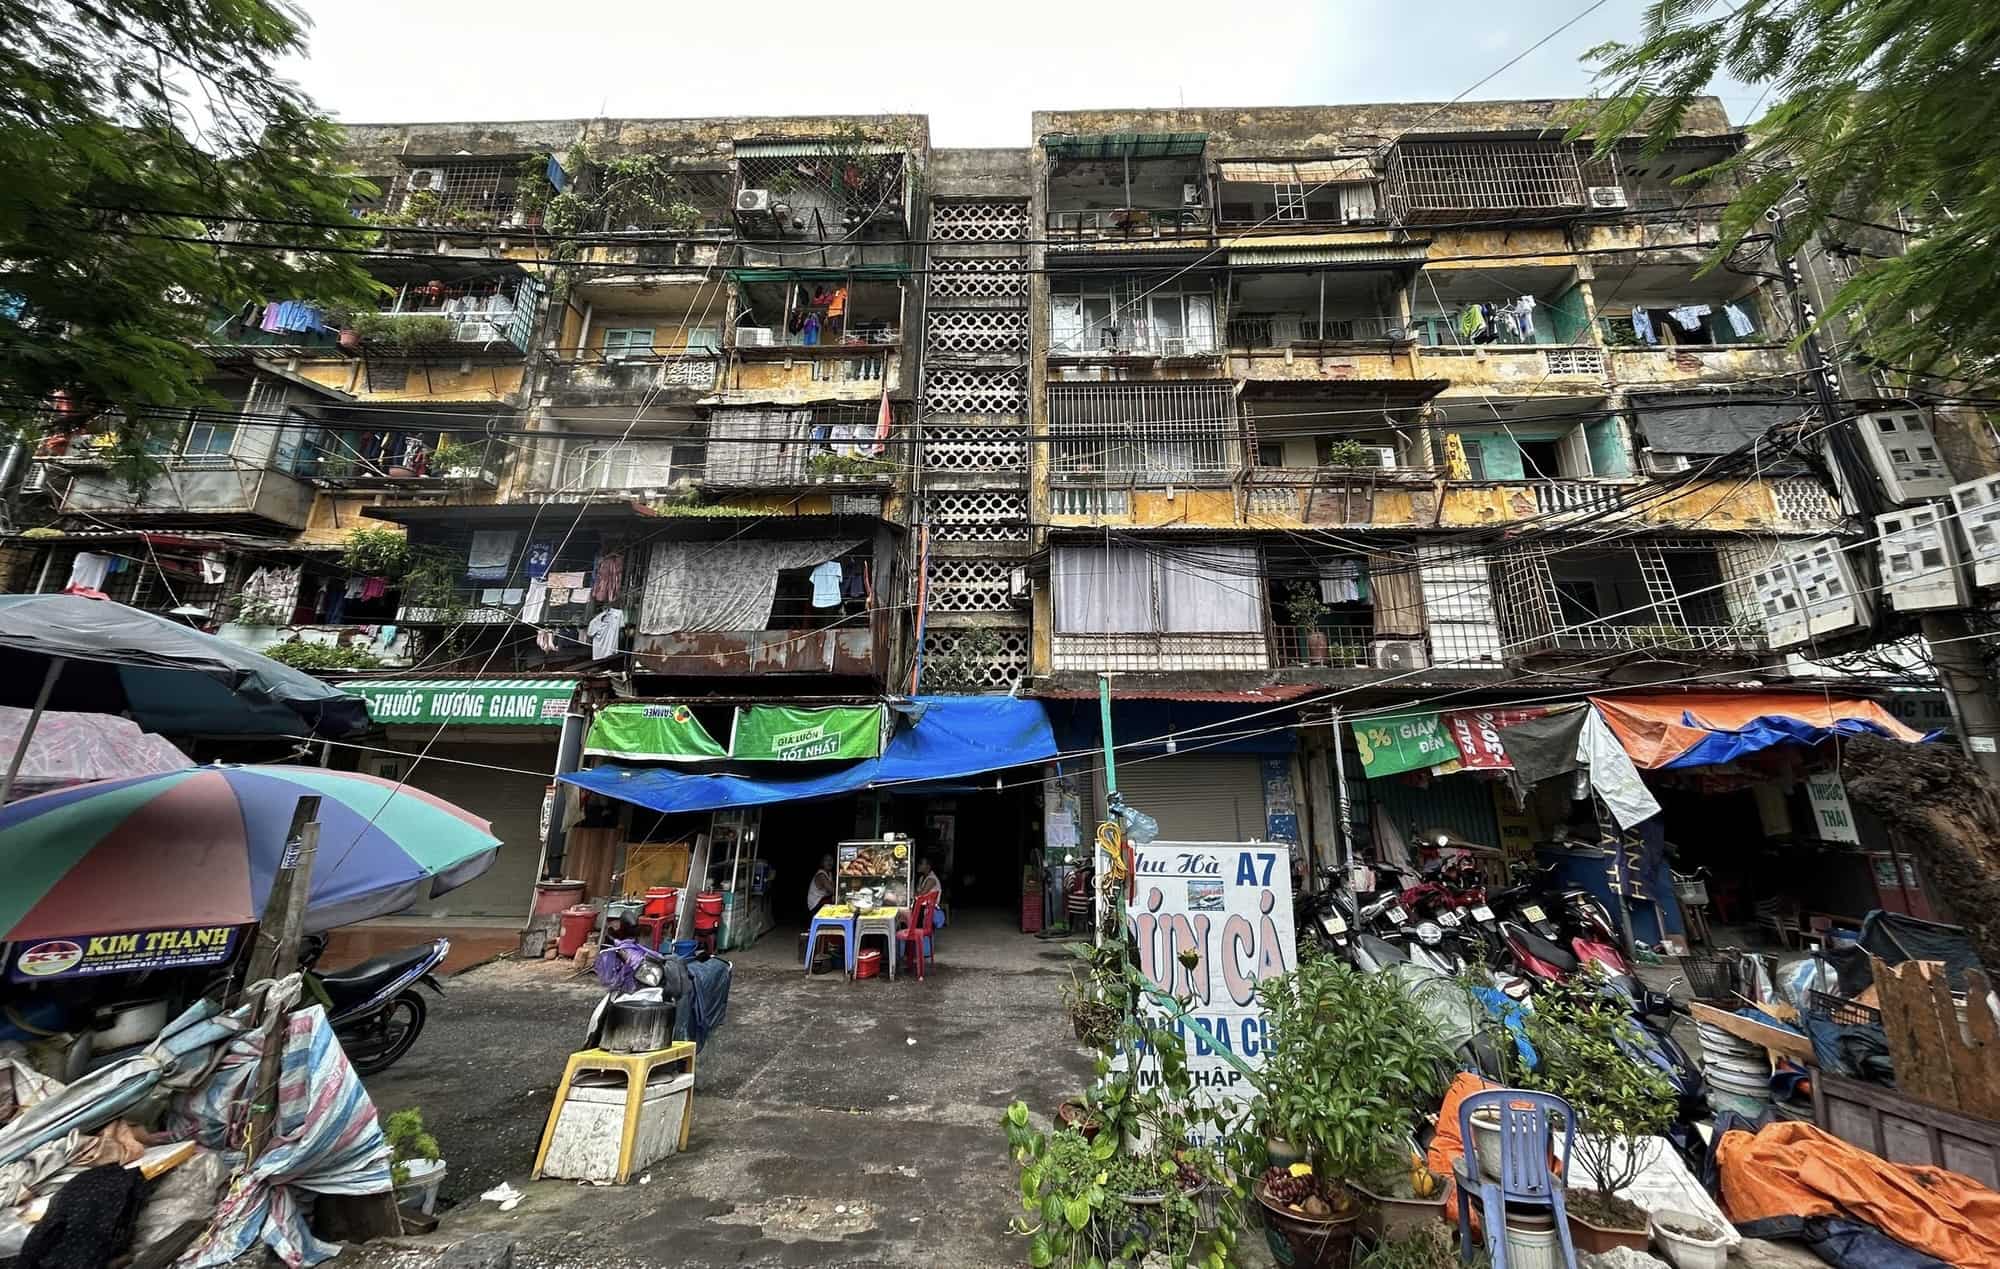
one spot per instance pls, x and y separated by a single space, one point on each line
1277 330
469 463
695 370
1134 339
1232 650
1102 223
1341 647
1562 497
1713 639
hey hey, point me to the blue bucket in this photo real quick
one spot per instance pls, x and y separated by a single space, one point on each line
686 948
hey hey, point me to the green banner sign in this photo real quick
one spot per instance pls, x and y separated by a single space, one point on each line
651 731
469 702
778 733
1403 742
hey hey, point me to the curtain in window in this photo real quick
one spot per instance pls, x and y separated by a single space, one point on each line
1201 323
706 586
1100 591
758 460
1211 588
1066 322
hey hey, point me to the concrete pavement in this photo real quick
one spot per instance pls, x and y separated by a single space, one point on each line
835 1123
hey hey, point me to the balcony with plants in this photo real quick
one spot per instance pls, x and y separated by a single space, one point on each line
1127 189
837 201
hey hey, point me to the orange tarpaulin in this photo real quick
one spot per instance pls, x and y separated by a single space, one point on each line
1652 730
1794 1169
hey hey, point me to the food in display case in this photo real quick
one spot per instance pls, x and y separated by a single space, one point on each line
874 873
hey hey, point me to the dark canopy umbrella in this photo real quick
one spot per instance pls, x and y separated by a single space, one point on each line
66 652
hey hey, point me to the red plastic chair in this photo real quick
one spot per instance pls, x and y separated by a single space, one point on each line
662 907
912 938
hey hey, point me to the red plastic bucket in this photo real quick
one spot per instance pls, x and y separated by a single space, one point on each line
708 910
869 963
577 923
552 897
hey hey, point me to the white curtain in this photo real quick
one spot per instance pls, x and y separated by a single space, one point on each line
1211 588
1066 323
1102 591
694 586
1201 323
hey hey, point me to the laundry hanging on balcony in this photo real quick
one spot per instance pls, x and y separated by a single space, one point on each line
723 586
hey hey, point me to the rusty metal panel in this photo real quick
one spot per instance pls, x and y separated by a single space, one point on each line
847 650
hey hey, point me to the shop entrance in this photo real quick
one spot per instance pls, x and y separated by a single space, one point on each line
977 839
796 835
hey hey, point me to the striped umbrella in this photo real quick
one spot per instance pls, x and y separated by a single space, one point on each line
201 847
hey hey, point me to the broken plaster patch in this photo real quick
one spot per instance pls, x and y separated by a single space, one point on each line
792 1219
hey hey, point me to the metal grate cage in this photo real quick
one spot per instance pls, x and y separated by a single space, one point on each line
1445 180
1144 432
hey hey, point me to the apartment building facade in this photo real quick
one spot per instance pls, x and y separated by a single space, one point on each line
1268 413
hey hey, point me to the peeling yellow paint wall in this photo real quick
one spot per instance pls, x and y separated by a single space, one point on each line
442 381
786 381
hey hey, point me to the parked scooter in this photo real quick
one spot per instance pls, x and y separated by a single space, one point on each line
374 1006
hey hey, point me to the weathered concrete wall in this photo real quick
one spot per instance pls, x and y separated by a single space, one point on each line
993 173
379 146
1276 131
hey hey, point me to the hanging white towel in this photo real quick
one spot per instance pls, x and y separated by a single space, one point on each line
1688 316
88 571
1739 321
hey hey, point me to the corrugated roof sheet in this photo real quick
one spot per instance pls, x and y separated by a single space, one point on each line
1347 171
1358 253
811 149
1119 145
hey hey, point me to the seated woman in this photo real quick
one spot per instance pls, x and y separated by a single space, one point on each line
820 892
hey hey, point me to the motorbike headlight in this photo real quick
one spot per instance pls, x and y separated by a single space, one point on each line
1429 933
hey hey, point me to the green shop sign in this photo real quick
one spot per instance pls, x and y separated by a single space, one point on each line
467 702
651 731
778 733
1403 742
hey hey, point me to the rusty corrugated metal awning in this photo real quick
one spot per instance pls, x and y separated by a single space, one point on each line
1345 255
1350 170
1125 145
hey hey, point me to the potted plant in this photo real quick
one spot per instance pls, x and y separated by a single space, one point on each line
416 1165
1691 1242
1306 610
457 460
1347 1063
1403 1199
1621 1105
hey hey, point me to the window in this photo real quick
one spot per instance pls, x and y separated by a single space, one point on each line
210 435
628 343
1270 454
1189 588
1541 460
1289 197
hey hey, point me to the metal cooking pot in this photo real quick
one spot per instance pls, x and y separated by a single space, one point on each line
637 1026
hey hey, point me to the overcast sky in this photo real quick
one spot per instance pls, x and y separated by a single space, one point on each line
976 70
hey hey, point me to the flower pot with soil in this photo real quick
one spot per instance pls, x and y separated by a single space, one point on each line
1601 1222
1074 1114
1401 1204
1690 1241
1311 1221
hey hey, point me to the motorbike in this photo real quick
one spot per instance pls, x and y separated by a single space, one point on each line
374 1006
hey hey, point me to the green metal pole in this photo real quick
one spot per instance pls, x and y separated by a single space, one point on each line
1104 727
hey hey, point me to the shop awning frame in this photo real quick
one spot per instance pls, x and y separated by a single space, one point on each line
952 738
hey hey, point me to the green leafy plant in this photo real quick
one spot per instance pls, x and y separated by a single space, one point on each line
377 552
408 1142
1303 606
1348 1064
405 332
315 657
849 465
1346 453
455 458
1576 1028
1428 1247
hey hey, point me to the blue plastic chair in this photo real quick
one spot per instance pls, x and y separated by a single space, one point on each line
1526 1178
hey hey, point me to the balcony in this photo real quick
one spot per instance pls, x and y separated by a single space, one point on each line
1208 650
191 487
848 651
458 317
1326 646
596 379
1127 189
1526 368
834 202
1132 319
1669 596
1685 364
1432 182
405 460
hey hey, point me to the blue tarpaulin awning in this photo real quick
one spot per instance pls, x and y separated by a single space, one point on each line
955 737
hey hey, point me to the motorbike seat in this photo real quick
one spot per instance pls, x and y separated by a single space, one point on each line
359 981
1542 950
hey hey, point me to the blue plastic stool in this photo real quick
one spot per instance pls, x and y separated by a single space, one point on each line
1526 1177
839 921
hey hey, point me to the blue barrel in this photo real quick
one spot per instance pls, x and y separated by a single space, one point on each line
686 948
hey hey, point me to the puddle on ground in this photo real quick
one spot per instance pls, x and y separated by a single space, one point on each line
792 1219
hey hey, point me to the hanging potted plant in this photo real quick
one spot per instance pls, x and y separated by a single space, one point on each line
1347 1064
1621 1107
1306 610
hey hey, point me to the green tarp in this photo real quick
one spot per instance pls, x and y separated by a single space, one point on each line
1403 742
651 731
779 733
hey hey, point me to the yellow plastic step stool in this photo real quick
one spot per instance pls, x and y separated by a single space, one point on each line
638 1069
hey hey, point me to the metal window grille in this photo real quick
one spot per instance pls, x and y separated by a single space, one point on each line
1805 502
485 185
1442 180
843 188
1290 200
955 221
1144 432
1575 361
1208 650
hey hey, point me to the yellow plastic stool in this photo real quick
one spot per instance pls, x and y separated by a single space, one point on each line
638 1069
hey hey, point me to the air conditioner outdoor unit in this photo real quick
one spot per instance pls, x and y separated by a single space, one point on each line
753 200
1608 196
1400 654
756 337
425 178
1663 464
1385 455
1191 193
37 479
